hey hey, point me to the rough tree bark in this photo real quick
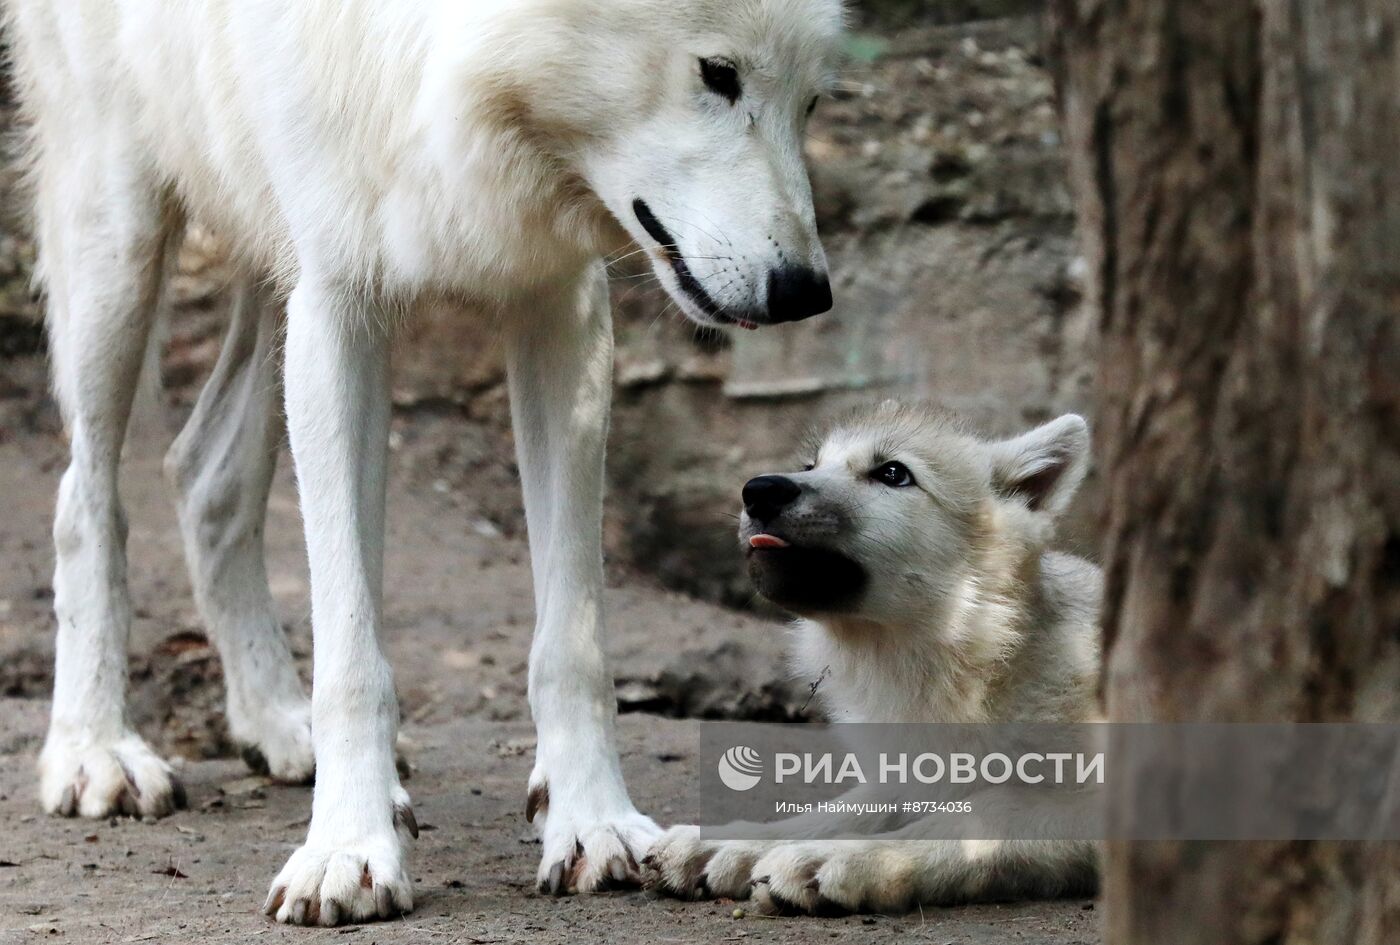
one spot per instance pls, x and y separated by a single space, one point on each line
1237 170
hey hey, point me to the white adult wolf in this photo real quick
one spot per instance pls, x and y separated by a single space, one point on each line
918 554
362 156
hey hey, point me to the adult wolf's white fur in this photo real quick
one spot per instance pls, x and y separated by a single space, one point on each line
958 612
361 156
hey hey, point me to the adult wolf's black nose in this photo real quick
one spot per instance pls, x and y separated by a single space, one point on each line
766 496
796 292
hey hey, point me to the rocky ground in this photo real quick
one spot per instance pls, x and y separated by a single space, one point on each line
941 199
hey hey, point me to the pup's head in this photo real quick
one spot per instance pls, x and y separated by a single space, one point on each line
899 507
699 112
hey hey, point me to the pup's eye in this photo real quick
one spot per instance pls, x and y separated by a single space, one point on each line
893 474
808 467
721 77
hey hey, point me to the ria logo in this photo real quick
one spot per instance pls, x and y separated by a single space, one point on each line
740 768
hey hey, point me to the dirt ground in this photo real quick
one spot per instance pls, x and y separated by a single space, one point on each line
458 617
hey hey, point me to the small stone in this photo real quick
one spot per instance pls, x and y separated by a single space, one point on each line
485 528
642 373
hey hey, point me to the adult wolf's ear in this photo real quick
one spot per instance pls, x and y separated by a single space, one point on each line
1044 467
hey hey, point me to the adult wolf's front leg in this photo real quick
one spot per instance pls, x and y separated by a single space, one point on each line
354 863
560 359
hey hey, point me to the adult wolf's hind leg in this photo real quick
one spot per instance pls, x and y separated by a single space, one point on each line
221 465
102 232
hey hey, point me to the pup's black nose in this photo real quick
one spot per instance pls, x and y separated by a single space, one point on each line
766 496
796 292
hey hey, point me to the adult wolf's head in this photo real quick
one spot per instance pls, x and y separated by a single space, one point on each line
901 512
699 108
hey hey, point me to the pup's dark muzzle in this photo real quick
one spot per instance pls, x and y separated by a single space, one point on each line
807 580
804 578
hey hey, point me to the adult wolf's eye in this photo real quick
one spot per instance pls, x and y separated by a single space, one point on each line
812 106
893 474
721 77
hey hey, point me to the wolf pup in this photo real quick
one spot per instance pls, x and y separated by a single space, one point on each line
917 554
362 158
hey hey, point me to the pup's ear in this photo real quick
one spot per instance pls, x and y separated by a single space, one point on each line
1044 467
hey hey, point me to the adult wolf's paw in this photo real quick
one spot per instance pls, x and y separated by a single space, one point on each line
591 844
99 779
276 741
681 864
351 882
282 747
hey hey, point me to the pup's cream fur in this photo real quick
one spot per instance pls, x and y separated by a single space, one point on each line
934 599
361 156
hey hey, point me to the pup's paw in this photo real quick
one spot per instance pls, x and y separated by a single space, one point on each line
786 880
331 884
276 741
588 846
681 864
100 779
869 877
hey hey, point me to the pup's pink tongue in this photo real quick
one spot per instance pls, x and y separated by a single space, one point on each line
767 541
750 326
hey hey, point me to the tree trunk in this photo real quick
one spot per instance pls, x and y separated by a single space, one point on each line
1237 171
